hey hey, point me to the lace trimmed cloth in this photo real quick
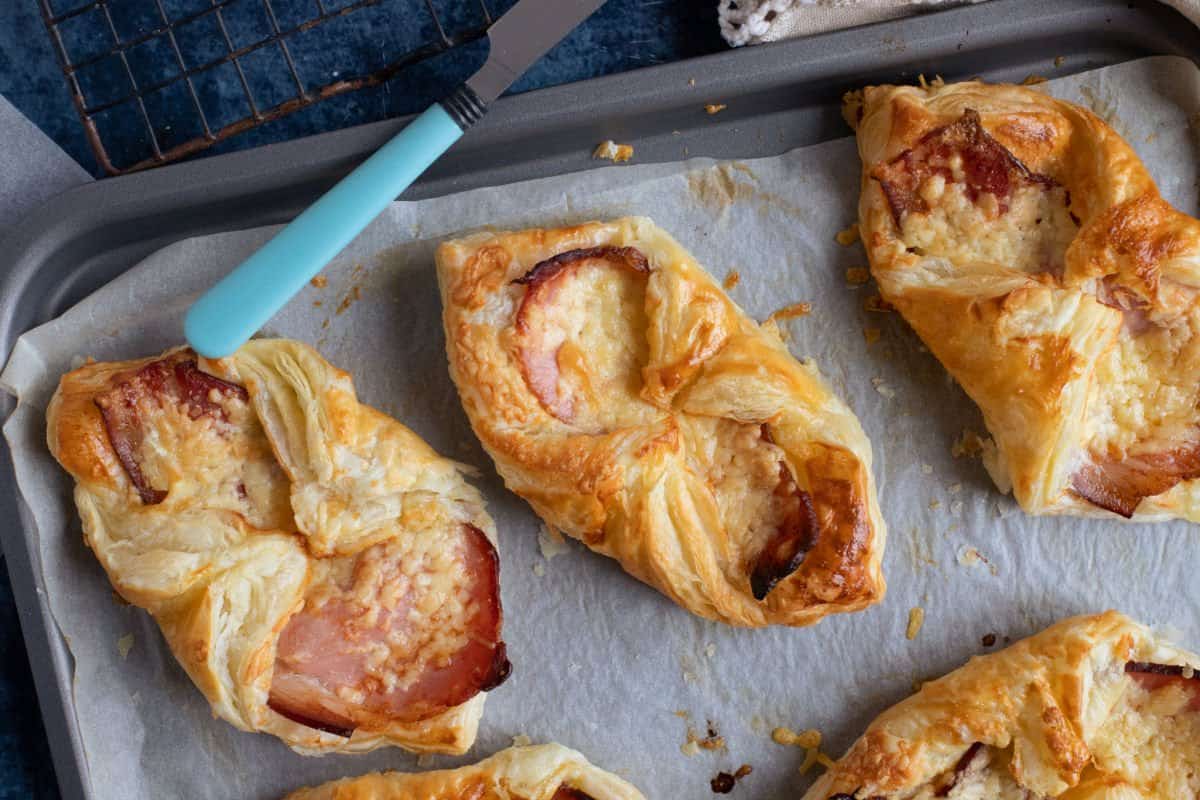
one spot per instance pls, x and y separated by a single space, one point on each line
756 21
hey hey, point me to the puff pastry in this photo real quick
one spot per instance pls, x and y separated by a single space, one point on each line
635 407
320 573
541 772
1028 247
1093 708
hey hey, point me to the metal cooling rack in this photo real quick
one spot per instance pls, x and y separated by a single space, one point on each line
155 81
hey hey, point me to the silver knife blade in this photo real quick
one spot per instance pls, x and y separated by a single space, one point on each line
522 36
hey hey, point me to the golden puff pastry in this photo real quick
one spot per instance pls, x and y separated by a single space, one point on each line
1028 247
1093 708
541 772
317 569
625 396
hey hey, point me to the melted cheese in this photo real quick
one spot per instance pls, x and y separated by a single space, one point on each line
742 469
1152 742
1145 388
1031 236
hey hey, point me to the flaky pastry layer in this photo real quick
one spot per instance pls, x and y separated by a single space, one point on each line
1027 245
635 407
1092 708
267 519
540 772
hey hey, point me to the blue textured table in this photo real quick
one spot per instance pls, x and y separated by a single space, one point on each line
626 34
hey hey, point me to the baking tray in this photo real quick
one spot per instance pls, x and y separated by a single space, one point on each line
779 97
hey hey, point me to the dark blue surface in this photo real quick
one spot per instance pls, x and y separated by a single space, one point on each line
624 35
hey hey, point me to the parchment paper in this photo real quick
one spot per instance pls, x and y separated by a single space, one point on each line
602 663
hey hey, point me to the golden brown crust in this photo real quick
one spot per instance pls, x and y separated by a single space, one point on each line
217 508
541 772
1035 258
1045 715
647 431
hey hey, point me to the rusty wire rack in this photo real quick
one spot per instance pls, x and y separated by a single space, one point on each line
187 74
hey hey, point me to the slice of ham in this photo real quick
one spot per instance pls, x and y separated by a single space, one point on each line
175 381
567 793
538 355
976 758
1120 484
1135 310
988 167
1153 677
329 673
796 535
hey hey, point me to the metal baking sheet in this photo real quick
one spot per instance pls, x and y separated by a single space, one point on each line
779 96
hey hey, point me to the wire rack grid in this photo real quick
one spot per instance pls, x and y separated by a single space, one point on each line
184 75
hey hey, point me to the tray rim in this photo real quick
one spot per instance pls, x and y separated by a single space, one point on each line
316 161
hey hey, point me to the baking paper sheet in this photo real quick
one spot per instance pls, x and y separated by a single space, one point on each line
603 663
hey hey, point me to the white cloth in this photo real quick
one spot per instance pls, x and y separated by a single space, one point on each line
757 21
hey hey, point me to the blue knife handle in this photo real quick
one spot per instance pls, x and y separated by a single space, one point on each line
227 315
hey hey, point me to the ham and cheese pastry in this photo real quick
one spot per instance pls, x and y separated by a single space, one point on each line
1028 247
317 569
541 772
1093 708
635 407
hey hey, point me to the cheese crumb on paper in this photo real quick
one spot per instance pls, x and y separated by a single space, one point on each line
916 618
848 236
551 543
714 108
968 444
124 645
612 151
857 276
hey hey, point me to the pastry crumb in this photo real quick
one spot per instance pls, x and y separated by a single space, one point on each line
732 279
1033 80
878 305
882 387
954 488
714 108
319 281
956 508
1060 60
539 569
916 618
610 150
969 444
710 650
848 236
691 81
935 504
926 469
689 749
351 297
551 542
521 740
871 335
988 640
857 276
711 740
723 782
124 645
791 312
